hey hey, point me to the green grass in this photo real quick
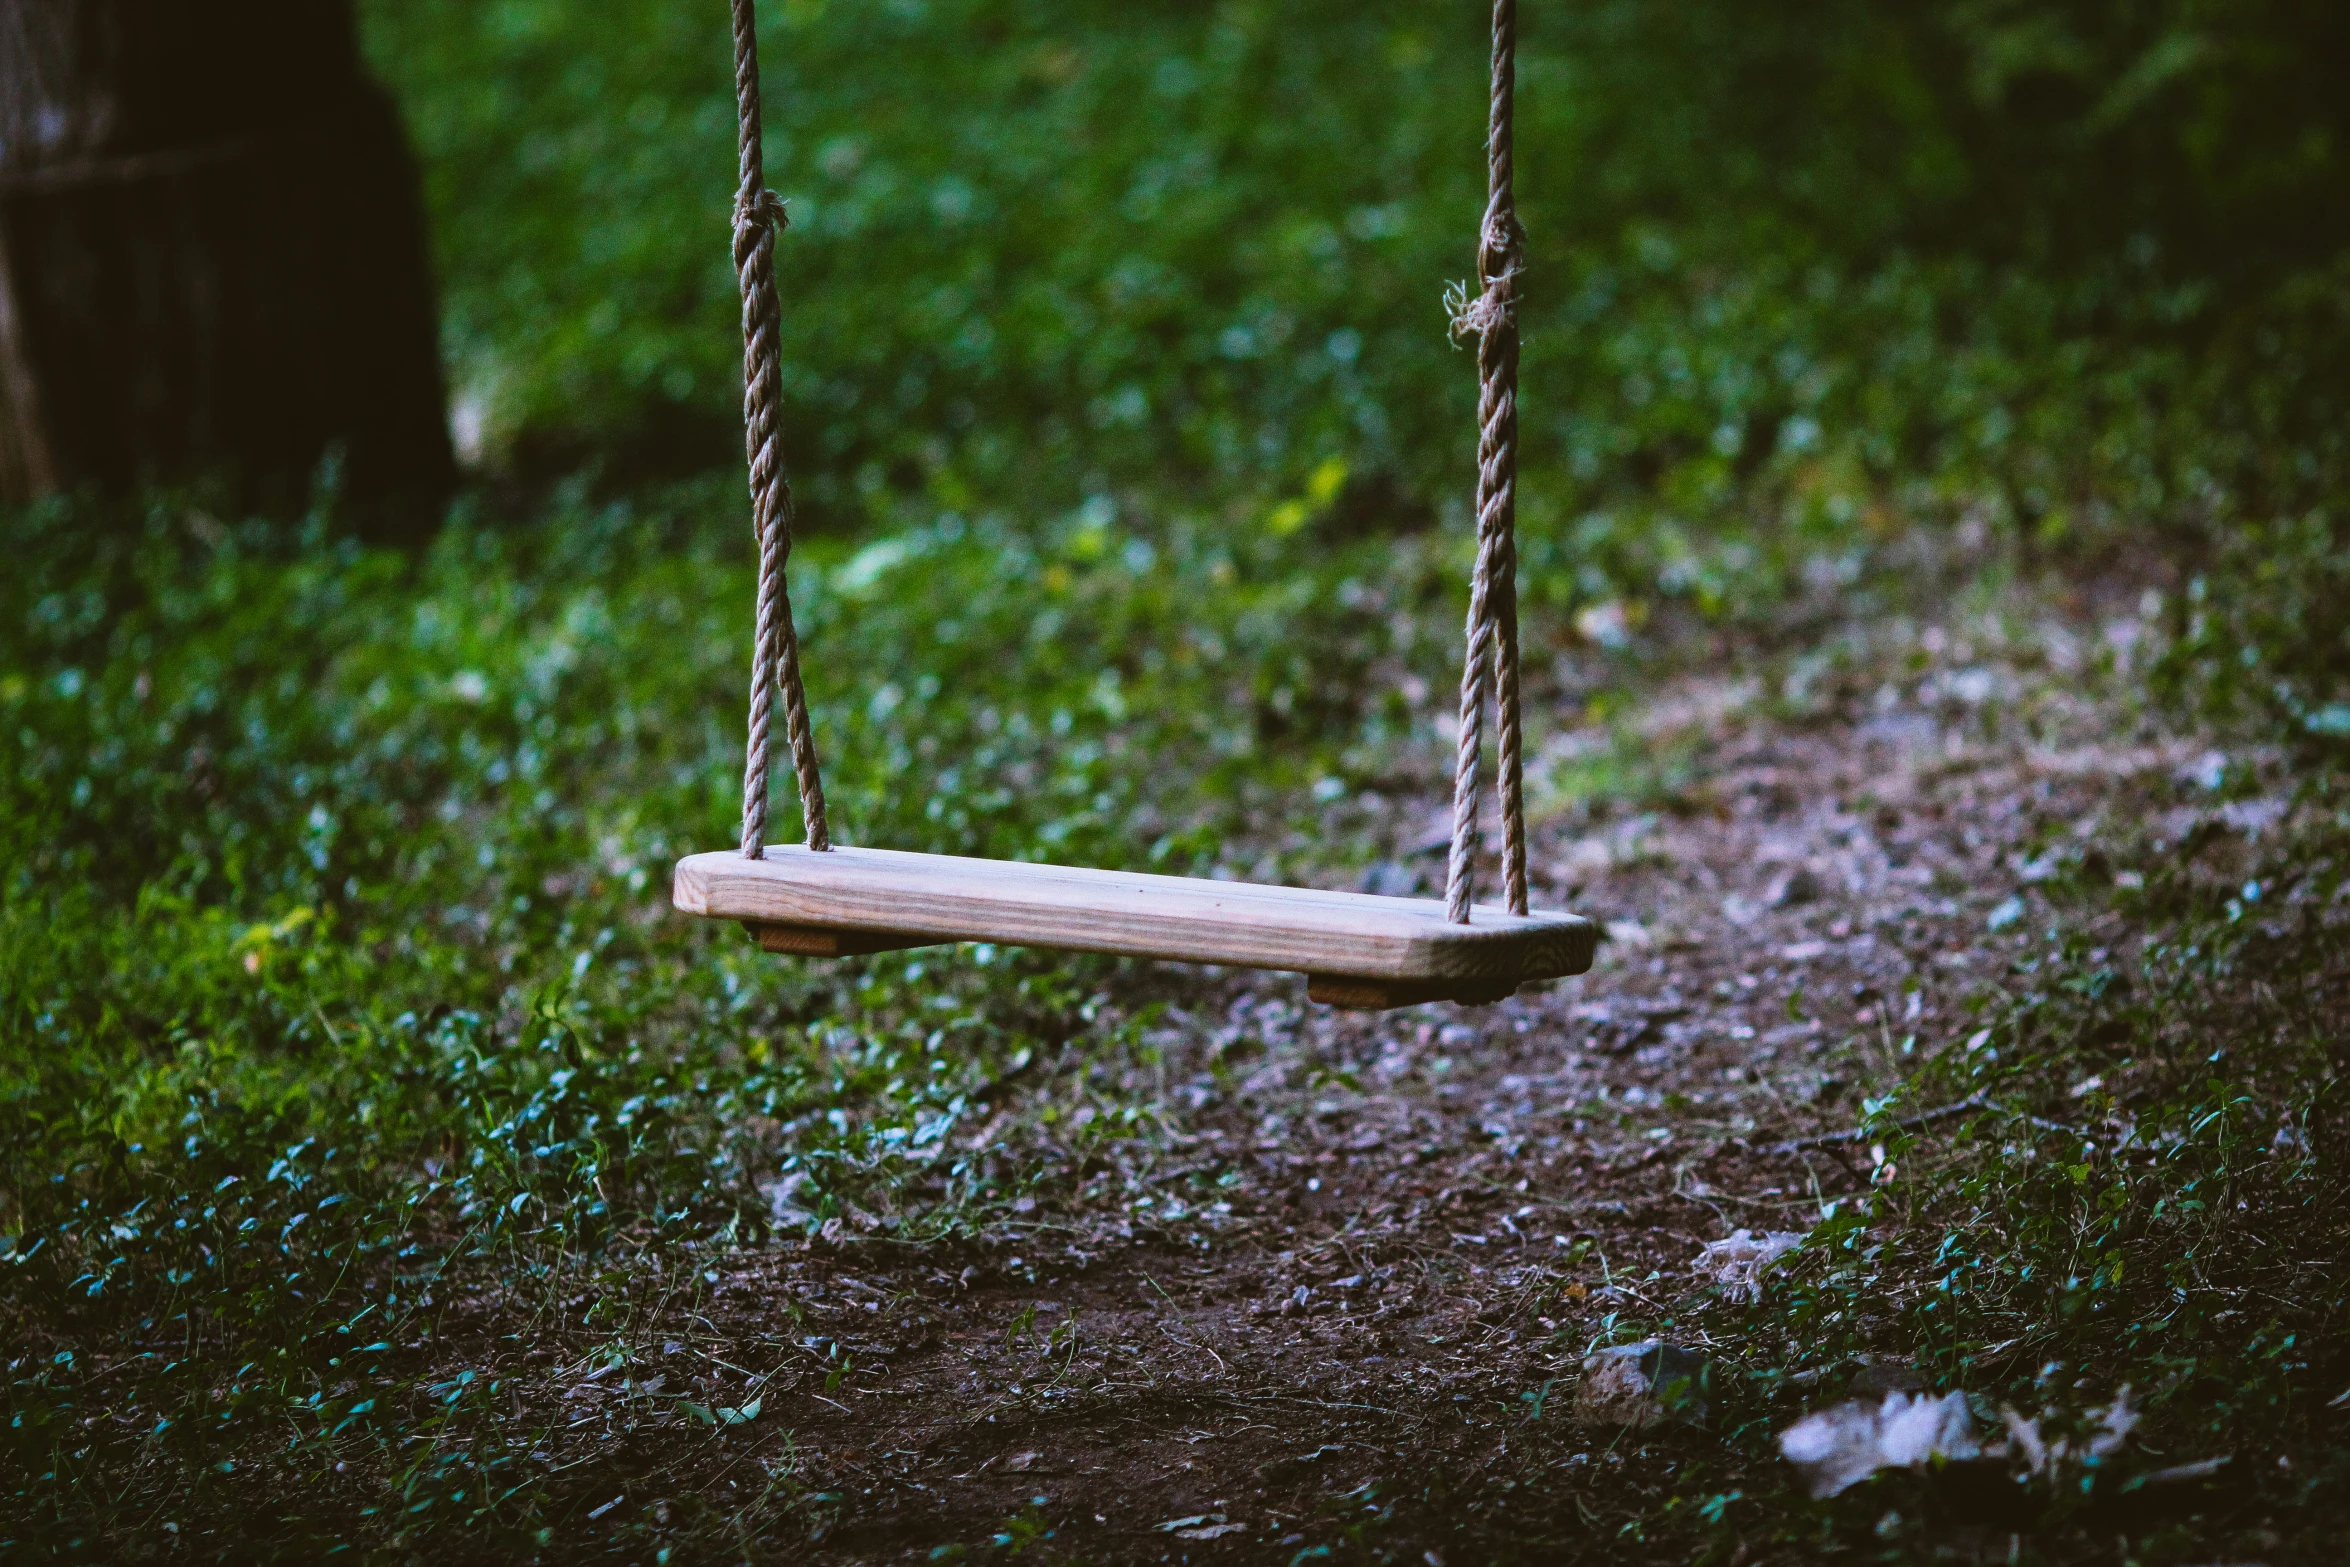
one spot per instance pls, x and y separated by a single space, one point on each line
335 945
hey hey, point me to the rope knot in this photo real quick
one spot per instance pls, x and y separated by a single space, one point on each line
1489 309
1501 249
755 217
1501 241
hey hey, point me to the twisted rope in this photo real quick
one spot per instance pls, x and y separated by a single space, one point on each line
775 646
1491 666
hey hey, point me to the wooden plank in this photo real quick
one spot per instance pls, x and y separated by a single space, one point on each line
907 898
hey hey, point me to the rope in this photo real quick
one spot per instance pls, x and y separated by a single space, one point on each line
1491 666
775 646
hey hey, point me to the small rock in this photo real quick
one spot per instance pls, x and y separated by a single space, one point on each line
1609 624
1615 1036
1020 1463
1740 910
1387 879
1881 1374
1798 886
1641 1385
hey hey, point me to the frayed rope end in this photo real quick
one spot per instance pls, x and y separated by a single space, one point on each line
1475 314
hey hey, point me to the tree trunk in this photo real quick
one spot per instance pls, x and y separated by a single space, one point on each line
212 255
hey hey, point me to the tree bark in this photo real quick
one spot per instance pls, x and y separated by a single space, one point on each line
212 255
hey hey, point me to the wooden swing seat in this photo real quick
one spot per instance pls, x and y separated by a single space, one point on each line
1355 950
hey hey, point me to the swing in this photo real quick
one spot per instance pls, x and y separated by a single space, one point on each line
1356 950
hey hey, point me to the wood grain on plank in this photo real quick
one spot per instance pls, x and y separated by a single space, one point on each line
940 898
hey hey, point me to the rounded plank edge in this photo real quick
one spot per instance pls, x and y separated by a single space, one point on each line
947 898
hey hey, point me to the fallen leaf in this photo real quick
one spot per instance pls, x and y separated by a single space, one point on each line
1838 1448
2114 1424
2179 1474
1737 1264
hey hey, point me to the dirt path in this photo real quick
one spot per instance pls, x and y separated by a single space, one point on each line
1345 1302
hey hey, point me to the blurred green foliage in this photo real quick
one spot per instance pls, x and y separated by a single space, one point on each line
2067 262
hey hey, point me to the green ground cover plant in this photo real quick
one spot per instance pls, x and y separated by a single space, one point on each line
338 953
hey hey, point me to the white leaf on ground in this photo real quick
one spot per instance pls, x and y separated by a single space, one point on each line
1840 1447
2180 1474
1178 1525
1737 1264
781 1193
1629 933
2043 1456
